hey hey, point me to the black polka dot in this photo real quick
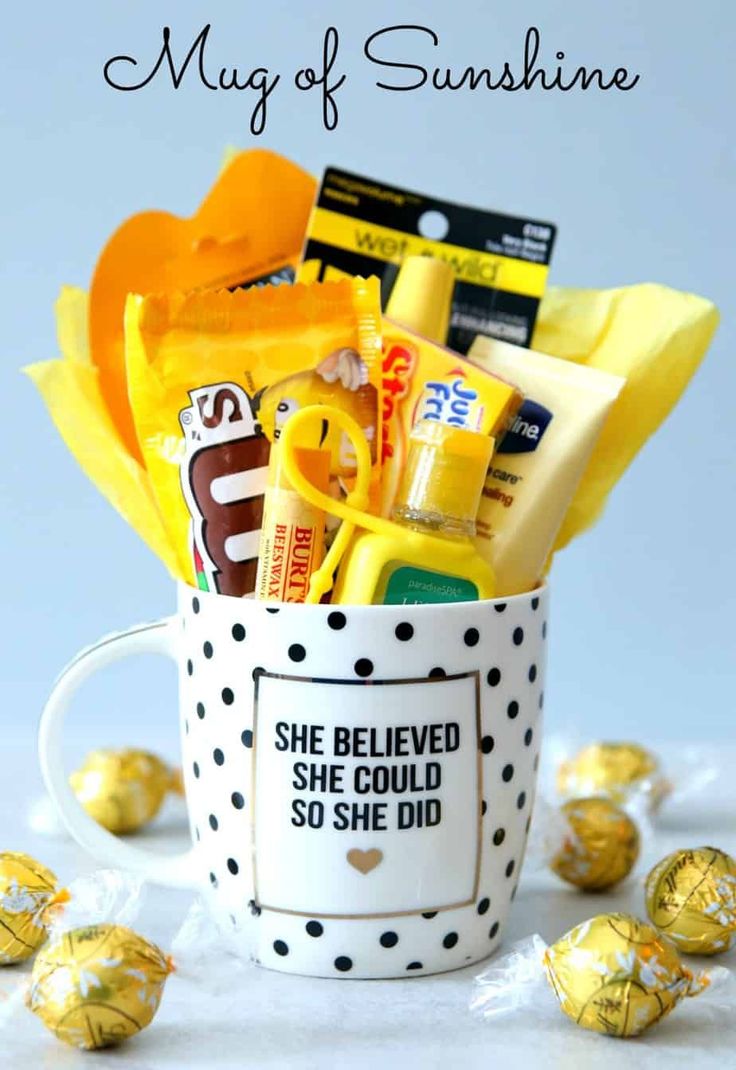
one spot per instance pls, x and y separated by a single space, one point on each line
200 710
404 631
233 866
528 737
518 636
513 709
437 673
190 667
343 963
535 603
521 800
514 890
195 769
254 908
483 808
493 930
297 652
510 868
532 674
227 696
541 699
218 756
536 763
207 649
415 966
258 671
238 633
483 905
499 836
430 914
195 604
389 939
528 823
314 928
449 940
213 880
363 667
186 728
272 609
471 637
500 607
507 773
494 677
214 825
487 744
544 630
246 738
280 947
237 800
337 620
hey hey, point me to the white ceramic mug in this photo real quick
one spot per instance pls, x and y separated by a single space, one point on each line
359 779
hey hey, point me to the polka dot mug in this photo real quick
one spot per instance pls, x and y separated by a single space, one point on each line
359 779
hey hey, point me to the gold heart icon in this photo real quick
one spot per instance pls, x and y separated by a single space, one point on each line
364 861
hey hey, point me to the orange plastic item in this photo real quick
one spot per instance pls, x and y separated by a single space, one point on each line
250 226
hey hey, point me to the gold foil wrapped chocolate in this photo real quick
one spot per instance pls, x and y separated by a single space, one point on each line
618 770
123 789
691 896
600 847
617 975
96 986
26 889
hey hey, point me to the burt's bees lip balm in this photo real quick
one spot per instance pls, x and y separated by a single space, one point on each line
292 531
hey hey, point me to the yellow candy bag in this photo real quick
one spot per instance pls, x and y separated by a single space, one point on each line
213 376
248 229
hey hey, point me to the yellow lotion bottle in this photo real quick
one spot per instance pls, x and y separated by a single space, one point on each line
426 554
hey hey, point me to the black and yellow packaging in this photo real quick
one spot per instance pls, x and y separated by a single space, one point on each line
359 226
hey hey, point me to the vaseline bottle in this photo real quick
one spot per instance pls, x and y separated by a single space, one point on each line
427 554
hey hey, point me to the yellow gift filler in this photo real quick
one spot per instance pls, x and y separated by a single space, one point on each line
426 553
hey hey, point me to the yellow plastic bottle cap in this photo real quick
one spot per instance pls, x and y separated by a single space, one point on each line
445 472
422 297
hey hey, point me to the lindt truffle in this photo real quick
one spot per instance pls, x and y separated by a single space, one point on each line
691 896
123 789
619 770
600 845
96 986
26 889
617 975
613 974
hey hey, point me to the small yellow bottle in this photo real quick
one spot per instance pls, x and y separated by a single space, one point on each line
427 553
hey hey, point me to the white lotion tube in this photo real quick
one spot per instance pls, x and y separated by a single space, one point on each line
540 460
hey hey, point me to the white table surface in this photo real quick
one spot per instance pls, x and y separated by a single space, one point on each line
271 1020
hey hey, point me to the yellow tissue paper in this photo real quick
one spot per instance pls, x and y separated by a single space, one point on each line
70 387
651 335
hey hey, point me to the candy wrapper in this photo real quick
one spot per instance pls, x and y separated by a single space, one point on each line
124 789
591 843
212 378
627 772
613 974
99 981
691 896
27 890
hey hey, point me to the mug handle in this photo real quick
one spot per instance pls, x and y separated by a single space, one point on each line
156 638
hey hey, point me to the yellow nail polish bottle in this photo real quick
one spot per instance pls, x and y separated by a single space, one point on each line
427 553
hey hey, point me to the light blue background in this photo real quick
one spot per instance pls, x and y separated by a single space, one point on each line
640 183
